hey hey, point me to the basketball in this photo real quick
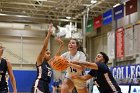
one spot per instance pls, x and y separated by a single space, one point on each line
59 63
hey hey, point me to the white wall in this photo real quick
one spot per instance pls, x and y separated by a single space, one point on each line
21 51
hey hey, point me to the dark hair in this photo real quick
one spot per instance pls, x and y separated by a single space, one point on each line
80 48
106 58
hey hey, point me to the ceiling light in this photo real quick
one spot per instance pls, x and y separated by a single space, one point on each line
116 5
56 8
68 17
93 1
21 16
2 14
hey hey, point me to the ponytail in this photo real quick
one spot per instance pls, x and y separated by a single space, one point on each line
80 48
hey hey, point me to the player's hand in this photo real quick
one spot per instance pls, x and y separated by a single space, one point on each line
50 28
58 39
69 64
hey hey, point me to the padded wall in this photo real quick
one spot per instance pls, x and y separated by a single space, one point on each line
24 80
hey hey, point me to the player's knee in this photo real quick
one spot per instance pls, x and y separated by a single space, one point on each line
64 87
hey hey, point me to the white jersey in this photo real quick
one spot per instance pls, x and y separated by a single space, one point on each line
80 57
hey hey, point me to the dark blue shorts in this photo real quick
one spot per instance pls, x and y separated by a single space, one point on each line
41 86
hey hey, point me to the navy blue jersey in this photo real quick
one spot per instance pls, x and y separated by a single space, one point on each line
104 79
44 73
3 70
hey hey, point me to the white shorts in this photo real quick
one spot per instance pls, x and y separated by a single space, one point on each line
79 84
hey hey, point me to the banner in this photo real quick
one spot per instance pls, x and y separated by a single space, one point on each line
137 39
120 42
130 71
107 17
97 22
128 41
131 7
111 44
89 26
119 12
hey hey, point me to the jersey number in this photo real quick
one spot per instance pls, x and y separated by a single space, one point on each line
49 73
73 70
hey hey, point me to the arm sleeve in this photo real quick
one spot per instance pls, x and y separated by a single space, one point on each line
102 67
92 72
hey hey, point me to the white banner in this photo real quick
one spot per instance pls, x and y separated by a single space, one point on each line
111 44
137 39
128 41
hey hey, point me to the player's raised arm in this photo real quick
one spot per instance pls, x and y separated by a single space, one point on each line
60 47
45 45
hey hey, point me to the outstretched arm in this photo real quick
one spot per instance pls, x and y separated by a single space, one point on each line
12 78
45 45
81 59
86 65
84 78
75 66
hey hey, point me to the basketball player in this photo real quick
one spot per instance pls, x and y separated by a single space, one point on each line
5 66
74 54
44 71
100 71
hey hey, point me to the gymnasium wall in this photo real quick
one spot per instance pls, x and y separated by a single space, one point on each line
98 42
22 53
22 43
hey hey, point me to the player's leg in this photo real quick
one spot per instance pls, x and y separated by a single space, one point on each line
81 86
67 86
84 90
